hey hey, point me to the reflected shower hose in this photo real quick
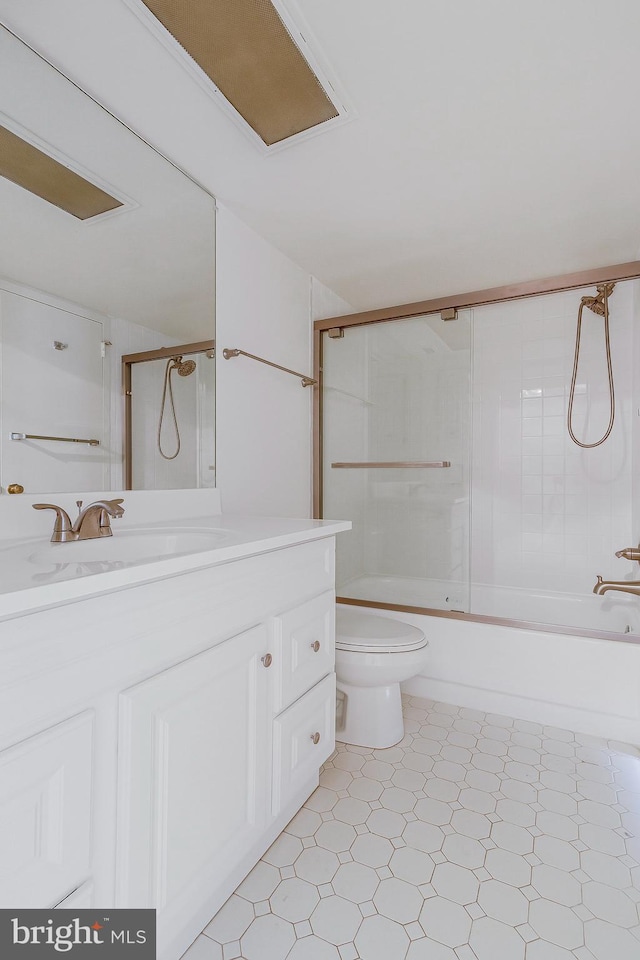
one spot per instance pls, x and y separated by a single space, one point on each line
185 368
600 305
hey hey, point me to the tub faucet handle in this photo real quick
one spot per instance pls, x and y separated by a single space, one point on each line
629 553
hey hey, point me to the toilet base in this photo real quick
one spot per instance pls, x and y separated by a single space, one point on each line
372 716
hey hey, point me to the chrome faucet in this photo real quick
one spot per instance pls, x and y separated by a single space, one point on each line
622 586
92 522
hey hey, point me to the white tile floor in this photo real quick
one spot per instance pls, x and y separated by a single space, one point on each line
478 837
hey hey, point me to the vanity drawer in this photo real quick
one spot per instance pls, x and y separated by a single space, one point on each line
303 738
304 647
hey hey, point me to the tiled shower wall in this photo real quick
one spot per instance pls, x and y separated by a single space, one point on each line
546 514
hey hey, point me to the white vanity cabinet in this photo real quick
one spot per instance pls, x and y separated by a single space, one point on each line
154 741
212 768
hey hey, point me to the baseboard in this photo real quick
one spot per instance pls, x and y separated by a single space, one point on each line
605 725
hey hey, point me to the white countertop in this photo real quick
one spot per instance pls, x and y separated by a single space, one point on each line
36 574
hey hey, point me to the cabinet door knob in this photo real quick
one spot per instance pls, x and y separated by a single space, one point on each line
267 660
315 646
315 737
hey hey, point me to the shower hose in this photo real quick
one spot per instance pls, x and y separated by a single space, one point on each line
599 305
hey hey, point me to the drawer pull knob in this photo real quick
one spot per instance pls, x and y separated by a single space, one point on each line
267 660
315 646
315 737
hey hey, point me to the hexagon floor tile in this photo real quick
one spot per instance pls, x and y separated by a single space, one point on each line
478 837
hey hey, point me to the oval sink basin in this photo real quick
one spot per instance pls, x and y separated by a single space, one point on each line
130 546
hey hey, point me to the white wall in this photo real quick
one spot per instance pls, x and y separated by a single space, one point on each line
325 303
52 392
263 434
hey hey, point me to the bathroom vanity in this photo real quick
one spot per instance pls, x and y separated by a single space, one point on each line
162 718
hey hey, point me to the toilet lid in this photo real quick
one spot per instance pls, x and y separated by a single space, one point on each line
370 634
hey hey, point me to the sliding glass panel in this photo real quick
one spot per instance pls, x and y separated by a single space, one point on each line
396 406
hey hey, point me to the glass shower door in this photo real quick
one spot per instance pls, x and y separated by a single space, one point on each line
396 415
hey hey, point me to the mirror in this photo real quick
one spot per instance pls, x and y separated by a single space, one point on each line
78 295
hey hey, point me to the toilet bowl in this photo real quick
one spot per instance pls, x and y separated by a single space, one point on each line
373 656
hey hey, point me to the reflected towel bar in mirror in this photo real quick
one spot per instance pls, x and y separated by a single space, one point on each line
36 436
227 353
395 464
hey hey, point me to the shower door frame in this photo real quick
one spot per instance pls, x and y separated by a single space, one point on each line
476 298
128 359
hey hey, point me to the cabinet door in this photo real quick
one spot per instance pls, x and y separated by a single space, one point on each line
194 776
81 898
45 814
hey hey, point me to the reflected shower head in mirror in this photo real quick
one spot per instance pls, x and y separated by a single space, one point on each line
184 367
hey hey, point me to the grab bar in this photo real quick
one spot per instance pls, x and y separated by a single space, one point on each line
228 353
395 464
36 436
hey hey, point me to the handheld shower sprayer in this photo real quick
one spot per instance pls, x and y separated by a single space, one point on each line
599 305
184 368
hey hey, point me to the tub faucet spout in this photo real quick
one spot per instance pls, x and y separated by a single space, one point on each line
622 586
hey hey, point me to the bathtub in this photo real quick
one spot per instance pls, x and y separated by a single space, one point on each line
539 656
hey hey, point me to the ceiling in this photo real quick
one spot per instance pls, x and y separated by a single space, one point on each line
490 143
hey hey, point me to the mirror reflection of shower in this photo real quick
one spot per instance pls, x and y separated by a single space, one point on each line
184 368
600 306
169 417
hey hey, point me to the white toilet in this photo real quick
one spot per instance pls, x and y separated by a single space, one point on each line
373 656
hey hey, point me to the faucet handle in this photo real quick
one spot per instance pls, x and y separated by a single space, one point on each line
62 530
629 553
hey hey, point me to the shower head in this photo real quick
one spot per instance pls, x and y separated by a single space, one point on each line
184 367
594 304
597 303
